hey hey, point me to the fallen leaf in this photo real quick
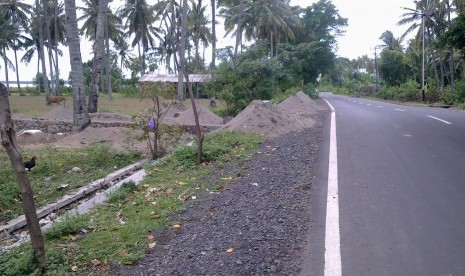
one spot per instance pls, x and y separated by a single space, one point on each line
145 186
150 237
74 268
176 226
230 250
226 178
182 183
157 169
152 245
96 262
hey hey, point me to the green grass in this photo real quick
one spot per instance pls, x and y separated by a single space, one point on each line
52 169
118 231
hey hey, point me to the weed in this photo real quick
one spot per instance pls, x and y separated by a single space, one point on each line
71 225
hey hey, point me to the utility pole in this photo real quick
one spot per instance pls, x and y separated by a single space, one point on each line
423 57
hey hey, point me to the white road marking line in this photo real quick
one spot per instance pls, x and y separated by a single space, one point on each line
440 120
368 104
380 106
398 109
333 265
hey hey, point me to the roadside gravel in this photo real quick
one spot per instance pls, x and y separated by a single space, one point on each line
257 225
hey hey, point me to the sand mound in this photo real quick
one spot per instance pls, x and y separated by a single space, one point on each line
298 105
99 117
299 109
117 137
59 113
262 117
206 117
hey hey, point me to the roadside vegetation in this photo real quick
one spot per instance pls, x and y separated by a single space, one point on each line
119 231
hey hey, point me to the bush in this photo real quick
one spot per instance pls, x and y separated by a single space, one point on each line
71 225
310 90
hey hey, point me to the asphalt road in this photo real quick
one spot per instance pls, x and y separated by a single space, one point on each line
401 181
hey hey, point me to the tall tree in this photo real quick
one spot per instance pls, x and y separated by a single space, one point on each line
124 54
198 27
8 140
98 55
139 18
390 41
17 13
41 50
213 40
81 118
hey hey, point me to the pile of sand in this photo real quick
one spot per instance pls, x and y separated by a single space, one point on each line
186 117
62 113
273 120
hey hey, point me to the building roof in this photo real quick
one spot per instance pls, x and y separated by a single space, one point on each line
150 77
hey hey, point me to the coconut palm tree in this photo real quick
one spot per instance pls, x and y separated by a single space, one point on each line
124 54
17 13
198 29
390 41
81 118
424 13
139 18
41 49
7 36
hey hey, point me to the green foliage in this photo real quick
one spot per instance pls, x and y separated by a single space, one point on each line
22 261
393 67
215 147
408 91
310 90
279 97
130 91
454 36
121 194
457 96
52 169
19 262
71 225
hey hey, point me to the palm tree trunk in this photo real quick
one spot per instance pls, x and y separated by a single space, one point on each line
213 62
108 61
98 53
182 52
6 70
239 26
17 73
80 116
42 54
49 39
433 59
451 54
57 70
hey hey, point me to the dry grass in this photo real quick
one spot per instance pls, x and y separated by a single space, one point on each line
35 105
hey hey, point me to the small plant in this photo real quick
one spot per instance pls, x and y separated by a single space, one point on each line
71 225
123 192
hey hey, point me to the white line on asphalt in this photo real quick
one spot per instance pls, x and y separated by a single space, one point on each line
380 106
398 109
440 120
333 265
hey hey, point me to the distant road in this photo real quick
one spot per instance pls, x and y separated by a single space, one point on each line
401 181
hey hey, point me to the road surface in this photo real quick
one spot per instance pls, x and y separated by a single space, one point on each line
401 192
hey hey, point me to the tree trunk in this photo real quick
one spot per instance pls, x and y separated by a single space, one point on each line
42 53
98 53
17 73
57 70
182 51
6 70
108 61
213 62
239 26
49 39
27 199
80 116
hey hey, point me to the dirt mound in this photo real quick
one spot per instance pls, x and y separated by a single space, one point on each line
99 117
186 117
299 109
262 117
39 138
59 113
117 137
298 105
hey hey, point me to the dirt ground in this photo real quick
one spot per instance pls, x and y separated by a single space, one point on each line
260 116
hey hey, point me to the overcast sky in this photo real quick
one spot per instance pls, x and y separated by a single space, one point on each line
367 20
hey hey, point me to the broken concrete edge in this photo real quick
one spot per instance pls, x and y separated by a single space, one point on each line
20 221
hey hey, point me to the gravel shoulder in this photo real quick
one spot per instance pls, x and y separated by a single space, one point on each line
258 225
